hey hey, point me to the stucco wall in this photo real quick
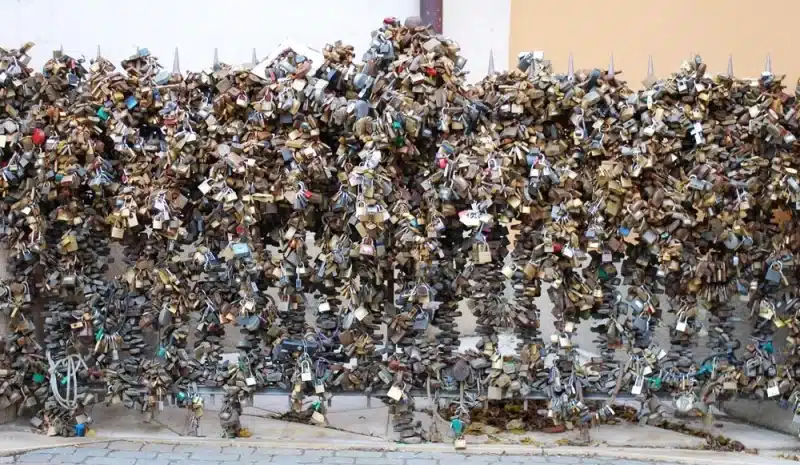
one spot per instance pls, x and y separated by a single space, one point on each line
670 31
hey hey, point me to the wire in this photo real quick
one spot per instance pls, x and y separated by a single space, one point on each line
73 364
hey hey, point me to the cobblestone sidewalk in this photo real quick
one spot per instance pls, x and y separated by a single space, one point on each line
130 453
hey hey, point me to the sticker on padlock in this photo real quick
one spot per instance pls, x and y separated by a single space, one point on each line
361 313
638 385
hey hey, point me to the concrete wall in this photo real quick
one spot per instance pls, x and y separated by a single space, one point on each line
196 27
236 26
670 31
479 26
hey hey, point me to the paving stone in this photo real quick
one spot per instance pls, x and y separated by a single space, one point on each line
97 445
379 461
401 455
192 462
440 456
564 459
423 462
358 453
129 454
243 451
473 460
478 458
108 461
283 460
317 453
125 445
198 449
29 457
282 452
158 447
522 459
306 459
92 452
338 460
153 462
215 457
57 450
173 456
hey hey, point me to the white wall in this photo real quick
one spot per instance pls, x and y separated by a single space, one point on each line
479 26
195 26
236 26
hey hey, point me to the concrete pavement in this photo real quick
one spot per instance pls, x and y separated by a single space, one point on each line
139 453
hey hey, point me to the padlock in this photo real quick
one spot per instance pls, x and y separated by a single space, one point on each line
367 247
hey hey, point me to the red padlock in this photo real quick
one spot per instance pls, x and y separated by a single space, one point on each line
443 163
39 136
389 20
307 194
557 247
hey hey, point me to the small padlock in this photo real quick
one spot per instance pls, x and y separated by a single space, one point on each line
367 247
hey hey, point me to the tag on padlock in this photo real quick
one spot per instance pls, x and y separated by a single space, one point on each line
305 370
395 393
681 324
361 313
638 384
460 444
318 417
773 389
250 381
509 269
497 362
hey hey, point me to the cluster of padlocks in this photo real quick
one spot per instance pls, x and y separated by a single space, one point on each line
376 195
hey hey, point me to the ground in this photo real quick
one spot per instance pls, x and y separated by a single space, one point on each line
128 453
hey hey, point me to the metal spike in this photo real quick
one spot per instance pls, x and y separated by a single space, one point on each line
730 65
570 68
611 71
768 66
61 49
176 63
254 59
98 54
532 69
216 59
651 71
490 71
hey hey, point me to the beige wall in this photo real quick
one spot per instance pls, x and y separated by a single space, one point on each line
670 31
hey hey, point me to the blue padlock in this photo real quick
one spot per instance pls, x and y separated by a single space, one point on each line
131 102
241 250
